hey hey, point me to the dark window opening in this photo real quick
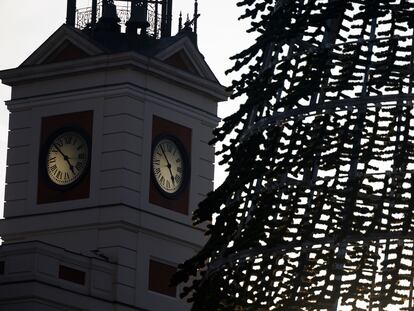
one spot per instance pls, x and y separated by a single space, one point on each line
1 267
160 276
71 275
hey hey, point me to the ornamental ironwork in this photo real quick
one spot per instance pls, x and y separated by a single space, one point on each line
123 8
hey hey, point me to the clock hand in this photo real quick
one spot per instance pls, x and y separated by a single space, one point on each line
60 151
66 158
168 165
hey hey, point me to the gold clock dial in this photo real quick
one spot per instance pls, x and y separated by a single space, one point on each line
67 158
168 166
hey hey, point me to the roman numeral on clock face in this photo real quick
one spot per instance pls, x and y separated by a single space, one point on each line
67 158
68 139
167 166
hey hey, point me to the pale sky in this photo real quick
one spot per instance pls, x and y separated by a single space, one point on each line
26 24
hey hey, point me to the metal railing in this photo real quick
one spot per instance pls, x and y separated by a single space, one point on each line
123 8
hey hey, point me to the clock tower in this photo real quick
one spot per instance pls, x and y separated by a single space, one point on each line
108 157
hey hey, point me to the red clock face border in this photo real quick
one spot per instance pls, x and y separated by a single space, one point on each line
46 192
165 128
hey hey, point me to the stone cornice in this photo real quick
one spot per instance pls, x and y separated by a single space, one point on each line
133 60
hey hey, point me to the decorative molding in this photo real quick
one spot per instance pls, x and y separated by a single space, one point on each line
192 56
59 37
106 63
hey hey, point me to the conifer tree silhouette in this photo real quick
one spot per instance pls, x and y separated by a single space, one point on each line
317 210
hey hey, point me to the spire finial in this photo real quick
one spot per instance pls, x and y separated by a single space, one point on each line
196 15
191 25
180 22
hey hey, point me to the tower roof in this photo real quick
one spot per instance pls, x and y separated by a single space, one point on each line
106 41
70 50
69 44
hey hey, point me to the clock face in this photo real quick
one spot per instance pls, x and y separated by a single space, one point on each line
67 158
168 166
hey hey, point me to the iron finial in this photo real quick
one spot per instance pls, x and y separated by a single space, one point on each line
196 15
180 22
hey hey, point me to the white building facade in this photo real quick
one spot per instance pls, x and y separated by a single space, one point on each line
103 229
